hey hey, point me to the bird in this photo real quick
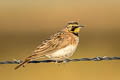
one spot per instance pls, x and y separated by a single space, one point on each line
59 46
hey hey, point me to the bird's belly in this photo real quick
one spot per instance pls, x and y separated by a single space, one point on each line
63 53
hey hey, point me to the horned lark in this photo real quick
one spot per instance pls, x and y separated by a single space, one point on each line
59 46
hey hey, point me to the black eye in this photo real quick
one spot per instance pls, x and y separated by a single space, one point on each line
73 28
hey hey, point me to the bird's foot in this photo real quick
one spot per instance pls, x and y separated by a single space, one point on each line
66 60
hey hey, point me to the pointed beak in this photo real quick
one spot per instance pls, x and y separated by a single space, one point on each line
81 26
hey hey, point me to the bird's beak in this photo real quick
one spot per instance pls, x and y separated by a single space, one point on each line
81 26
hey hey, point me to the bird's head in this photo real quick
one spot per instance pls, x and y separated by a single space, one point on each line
74 27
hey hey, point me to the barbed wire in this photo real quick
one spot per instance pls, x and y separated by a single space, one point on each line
66 60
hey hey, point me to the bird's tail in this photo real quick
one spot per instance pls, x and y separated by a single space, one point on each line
22 64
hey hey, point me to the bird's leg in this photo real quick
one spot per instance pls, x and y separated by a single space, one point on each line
57 61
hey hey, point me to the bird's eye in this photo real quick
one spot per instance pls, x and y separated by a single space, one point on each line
73 28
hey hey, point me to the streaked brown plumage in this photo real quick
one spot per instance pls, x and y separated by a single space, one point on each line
59 46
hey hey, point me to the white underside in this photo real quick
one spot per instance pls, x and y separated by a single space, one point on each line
63 53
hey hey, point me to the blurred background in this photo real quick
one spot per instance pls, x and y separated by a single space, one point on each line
25 23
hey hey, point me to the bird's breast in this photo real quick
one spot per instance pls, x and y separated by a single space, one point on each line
63 53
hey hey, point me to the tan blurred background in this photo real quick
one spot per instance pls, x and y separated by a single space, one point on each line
25 23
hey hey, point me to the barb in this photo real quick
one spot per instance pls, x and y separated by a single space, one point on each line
66 60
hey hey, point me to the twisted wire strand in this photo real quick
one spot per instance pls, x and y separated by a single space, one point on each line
66 60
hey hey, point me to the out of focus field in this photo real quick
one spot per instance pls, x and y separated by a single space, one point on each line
25 23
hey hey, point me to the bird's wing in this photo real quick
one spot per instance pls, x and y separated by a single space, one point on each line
55 42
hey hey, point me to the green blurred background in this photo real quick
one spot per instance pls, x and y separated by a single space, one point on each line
25 23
